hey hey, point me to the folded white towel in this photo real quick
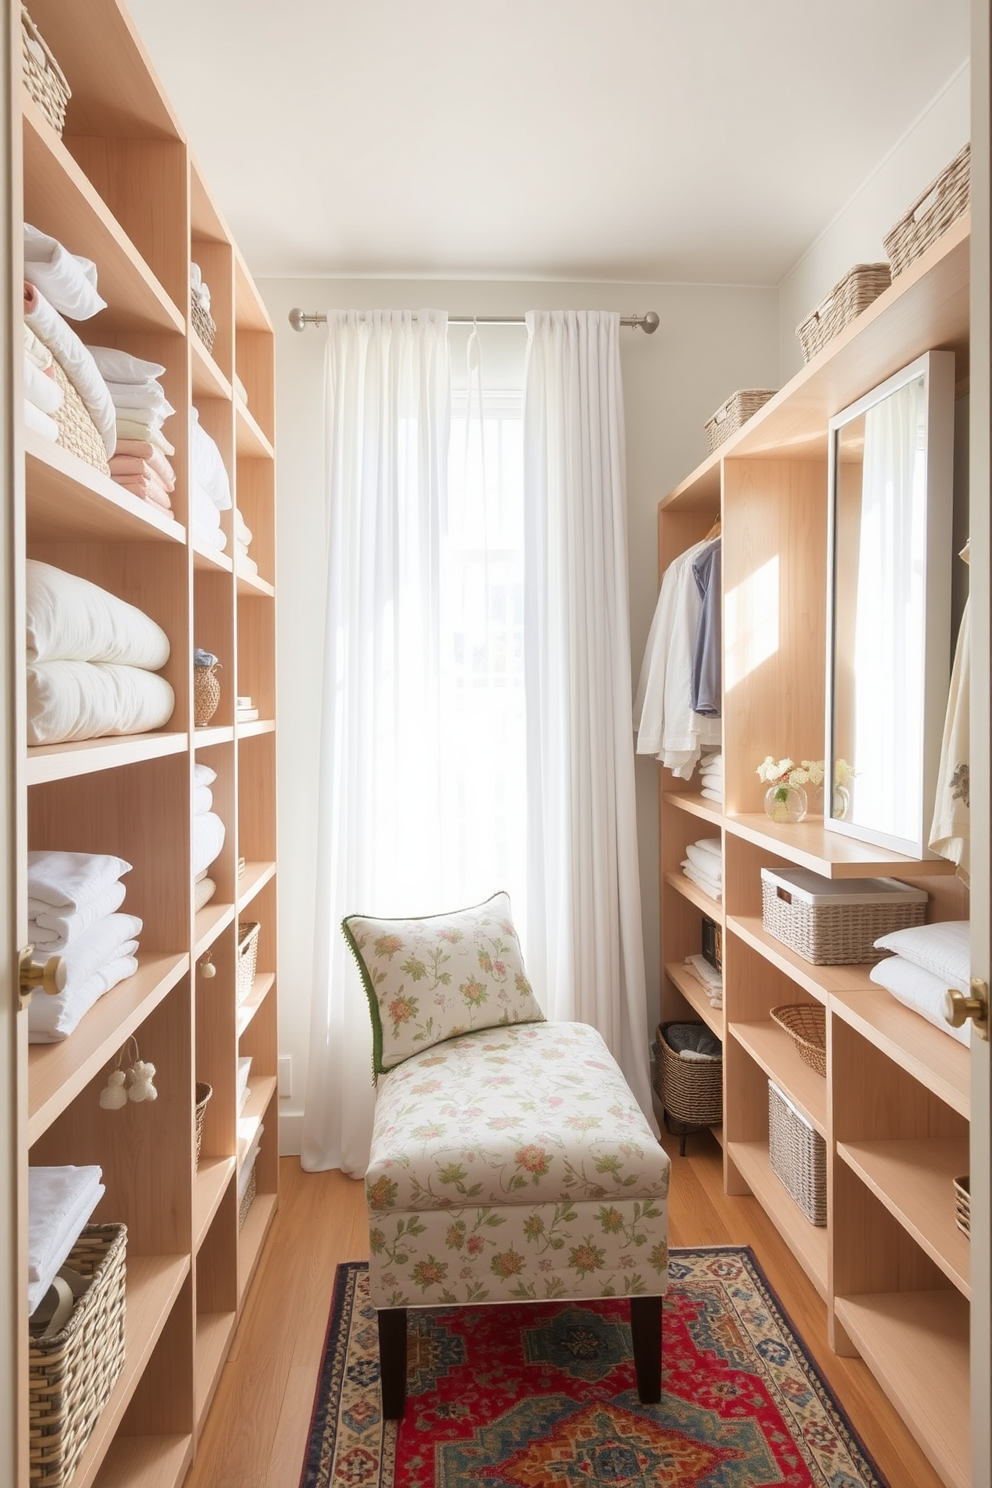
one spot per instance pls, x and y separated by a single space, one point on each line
67 280
203 774
69 880
712 795
40 389
73 700
121 366
208 840
75 361
713 846
242 532
70 619
203 799
705 864
146 397
60 1203
247 566
701 969
53 930
40 422
95 947
708 885
51 1019
712 762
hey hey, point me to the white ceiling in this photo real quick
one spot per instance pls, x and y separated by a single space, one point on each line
680 140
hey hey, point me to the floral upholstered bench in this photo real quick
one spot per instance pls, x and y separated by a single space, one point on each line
509 1163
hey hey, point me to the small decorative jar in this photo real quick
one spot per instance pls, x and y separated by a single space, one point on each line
785 803
206 687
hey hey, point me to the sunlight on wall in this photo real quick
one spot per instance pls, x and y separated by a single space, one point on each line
751 623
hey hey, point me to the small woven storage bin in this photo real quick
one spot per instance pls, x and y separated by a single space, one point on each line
962 1204
71 1375
798 1156
690 1090
77 431
729 417
247 1198
43 77
203 1094
835 922
931 214
806 1025
203 323
206 693
854 293
247 957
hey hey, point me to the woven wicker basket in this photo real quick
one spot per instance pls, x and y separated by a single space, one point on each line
962 1204
691 1091
247 957
798 1156
854 293
835 934
247 1198
43 77
203 323
931 214
203 1094
806 1025
77 431
71 1375
206 693
730 416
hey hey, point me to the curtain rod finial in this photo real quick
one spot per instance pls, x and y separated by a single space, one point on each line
651 322
297 318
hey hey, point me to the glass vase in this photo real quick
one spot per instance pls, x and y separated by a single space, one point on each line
841 802
785 803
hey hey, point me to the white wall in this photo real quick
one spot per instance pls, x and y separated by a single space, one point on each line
855 234
711 341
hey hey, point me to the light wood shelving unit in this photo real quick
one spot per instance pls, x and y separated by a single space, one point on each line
122 188
890 1264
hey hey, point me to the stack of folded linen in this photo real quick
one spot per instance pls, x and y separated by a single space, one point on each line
711 776
245 710
203 799
242 541
208 829
60 1203
703 864
56 284
927 960
42 395
709 977
210 492
73 899
140 462
92 661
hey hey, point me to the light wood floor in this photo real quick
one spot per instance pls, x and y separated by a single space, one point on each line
256 1431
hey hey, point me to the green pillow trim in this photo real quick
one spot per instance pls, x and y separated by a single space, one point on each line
377 1065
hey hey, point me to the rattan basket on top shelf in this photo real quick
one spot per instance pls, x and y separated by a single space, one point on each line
931 214
734 413
858 289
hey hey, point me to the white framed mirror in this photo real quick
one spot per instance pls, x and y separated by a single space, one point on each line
891 468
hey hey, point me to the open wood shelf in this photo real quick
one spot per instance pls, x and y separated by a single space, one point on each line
818 981
913 1179
214 1332
773 1049
808 1242
211 558
203 738
933 1058
695 895
696 805
252 881
255 727
210 921
263 1088
916 1345
67 500
260 989
695 995
249 437
253 1233
254 585
208 380
831 854
250 313
146 1462
213 1174
47 762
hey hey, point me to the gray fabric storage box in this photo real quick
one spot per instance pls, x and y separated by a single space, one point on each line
836 921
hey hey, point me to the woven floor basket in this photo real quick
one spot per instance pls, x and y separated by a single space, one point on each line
798 1156
845 302
931 214
247 1198
203 324
834 934
247 957
806 1025
77 431
690 1090
203 1094
71 1375
43 77
730 416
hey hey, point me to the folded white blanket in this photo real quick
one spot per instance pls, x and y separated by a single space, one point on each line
99 944
205 519
60 1202
712 795
70 619
144 397
712 763
247 566
203 774
120 366
75 360
242 532
72 700
40 422
203 799
208 840
67 280
40 389
712 846
710 865
49 928
68 881
712 778
701 969
708 885
51 1019
208 466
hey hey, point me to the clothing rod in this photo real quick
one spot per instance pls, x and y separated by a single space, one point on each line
648 323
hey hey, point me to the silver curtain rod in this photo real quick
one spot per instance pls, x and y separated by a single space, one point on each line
648 323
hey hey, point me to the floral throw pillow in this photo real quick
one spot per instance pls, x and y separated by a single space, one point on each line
432 979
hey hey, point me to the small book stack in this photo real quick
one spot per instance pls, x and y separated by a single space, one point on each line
245 712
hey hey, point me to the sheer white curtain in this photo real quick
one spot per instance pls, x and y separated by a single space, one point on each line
585 953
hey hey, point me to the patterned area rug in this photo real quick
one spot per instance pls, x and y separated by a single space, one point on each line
538 1395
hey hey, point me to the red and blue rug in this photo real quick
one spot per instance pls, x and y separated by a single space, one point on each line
542 1395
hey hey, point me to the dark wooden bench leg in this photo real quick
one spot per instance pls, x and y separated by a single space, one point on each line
392 1360
645 1329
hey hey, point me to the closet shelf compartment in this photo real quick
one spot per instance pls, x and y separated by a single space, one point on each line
772 1048
249 438
208 924
254 878
47 762
260 989
214 1331
254 585
806 1241
831 854
67 500
60 200
695 895
208 380
213 560
58 1072
256 1227
913 1178
818 981
213 1174
250 313
933 1058
695 804
146 1461
256 727
695 996
252 1117
916 1344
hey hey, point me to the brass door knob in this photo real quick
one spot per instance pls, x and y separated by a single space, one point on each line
958 1008
50 977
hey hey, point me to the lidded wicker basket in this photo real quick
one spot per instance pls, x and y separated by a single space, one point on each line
734 413
43 77
859 287
931 214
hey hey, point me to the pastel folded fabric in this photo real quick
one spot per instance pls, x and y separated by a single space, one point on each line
136 465
69 881
75 360
203 799
144 433
41 423
41 389
203 892
60 1203
56 930
73 700
70 619
209 469
120 366
133 413
51 1019
148 454
919 990
943 949
149 487
208 840
67 280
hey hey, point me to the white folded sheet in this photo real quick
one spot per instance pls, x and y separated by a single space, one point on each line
53 930
76 362
203 799
115 365
70 619
208 466
208 840
712 795
35 351
242 532
67 280
40 389
60 1202
712 764
51 1019
68 881
41 423
205 519
147 396
73 700
203 774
